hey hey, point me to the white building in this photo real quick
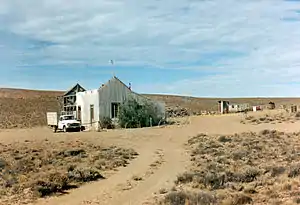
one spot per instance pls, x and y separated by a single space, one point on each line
239 107
92 105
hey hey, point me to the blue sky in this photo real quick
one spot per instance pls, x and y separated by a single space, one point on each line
225 48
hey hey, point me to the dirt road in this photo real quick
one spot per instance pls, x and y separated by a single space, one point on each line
161 157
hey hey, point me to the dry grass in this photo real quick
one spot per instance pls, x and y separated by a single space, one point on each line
275 118
258 168
25 112
38 169
190 198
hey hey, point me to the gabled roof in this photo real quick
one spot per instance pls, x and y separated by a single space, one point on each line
117 79
76 88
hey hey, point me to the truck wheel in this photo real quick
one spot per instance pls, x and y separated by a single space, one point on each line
64 129
54 129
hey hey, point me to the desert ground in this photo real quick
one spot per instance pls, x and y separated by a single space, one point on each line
224 159
162 162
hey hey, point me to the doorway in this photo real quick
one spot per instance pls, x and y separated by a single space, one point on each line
91 114
79 113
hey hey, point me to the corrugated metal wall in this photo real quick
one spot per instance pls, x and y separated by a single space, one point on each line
116 92
112 92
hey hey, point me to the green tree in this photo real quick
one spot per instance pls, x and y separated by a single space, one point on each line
133 114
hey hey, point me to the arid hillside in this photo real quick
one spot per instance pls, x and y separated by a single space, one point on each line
26 108
210 104
24 93
20 108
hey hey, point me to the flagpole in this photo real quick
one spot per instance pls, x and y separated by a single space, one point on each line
112 63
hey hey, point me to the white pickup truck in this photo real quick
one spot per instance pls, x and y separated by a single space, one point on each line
64 122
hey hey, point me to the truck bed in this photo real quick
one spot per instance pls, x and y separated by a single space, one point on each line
52 118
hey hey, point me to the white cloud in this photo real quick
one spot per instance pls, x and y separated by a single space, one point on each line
156 33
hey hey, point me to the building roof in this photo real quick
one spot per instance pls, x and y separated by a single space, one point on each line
117 79
114 78
76 88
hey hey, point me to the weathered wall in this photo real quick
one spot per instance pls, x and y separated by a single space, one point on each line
116 92
239 107
112 92
85 99
233 108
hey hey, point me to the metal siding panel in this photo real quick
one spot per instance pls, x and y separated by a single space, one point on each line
114 91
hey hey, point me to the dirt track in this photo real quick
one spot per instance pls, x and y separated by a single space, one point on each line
165 146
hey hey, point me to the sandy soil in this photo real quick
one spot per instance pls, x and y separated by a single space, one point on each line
162 157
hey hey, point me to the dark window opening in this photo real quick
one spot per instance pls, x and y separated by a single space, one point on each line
79 113
92 113
115 110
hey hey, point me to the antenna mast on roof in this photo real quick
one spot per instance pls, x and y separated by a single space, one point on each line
112 63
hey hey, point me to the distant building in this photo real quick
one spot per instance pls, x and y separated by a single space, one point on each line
93 105
223 106
227 107
239 107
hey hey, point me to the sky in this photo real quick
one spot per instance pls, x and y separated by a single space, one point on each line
207 48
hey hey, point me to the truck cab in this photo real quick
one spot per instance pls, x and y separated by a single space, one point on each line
68 122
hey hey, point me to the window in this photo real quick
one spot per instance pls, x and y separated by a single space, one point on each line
79 113
115 110
92 113
69 117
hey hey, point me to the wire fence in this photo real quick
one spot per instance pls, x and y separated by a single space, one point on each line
99 125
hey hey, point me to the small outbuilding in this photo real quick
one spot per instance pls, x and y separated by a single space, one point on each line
223 106
234 108
226 107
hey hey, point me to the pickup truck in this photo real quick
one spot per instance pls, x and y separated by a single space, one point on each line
64 123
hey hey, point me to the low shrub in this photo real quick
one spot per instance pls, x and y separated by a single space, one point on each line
192 198
276 171
106 123
46 168
241 199
294 171
133 114
186 177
